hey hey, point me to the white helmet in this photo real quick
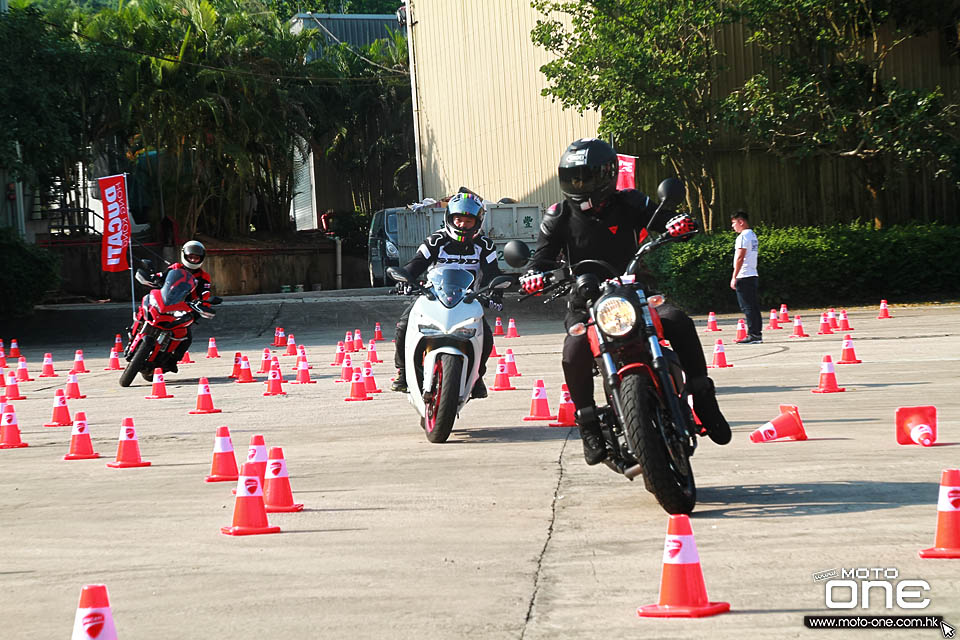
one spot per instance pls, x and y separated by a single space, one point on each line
192 255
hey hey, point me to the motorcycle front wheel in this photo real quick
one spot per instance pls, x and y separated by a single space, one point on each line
668 473
143 351
442 409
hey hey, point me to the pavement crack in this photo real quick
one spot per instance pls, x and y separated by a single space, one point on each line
546 543
272 320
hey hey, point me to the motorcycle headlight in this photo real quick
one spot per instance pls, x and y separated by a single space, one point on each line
465 332
616 316
392 250
429 329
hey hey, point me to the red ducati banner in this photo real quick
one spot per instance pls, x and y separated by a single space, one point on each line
626 179
116 223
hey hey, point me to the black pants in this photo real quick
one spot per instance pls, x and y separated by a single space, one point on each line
399 356
748 297
678 328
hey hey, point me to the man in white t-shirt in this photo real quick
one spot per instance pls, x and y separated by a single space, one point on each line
745 280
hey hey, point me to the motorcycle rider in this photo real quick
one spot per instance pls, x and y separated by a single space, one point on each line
595 221
461 244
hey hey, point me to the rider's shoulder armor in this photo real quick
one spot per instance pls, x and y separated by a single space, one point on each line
554 218
485 243
632 199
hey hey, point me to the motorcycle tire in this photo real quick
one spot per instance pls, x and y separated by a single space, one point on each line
442 410
144 349
674 488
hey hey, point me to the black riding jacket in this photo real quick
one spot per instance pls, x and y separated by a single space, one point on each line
440 252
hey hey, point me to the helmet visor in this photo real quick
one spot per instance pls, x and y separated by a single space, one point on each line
465 206
580 181
194 258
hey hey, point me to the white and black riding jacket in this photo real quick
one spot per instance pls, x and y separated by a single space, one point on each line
440 252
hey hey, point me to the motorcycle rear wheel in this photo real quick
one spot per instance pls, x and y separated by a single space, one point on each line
144 349
442 409
673 487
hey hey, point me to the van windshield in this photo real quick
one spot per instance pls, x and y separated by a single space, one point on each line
391 224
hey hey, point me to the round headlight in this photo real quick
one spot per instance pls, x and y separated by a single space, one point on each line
616 316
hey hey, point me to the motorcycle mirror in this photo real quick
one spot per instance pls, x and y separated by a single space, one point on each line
671 193
147 264
501 282
398 273
516 253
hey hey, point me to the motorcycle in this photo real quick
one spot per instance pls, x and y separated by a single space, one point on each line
647 423
443 345
161 322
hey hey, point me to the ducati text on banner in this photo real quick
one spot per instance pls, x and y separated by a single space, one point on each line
116 223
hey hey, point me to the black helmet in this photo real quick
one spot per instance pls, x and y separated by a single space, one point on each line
192 255
588 172
463 204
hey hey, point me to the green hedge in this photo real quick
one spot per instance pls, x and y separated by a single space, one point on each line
817 266
27 273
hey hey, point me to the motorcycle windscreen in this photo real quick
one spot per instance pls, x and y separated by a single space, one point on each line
177 286
450 285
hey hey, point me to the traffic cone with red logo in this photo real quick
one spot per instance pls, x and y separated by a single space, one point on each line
786 425
118 343
81 447
61 413
277 496
12 390
275 364
377 333
832 318
291 346
303 373
23 375
3 358
512 329
358 388
828 378
265 362
511 364
798 328
348 342
719 357
683 593
276 337
128 449
73 388
357 340
502 381
204 399
212 348
784 315
947 541
773 324
186 358
245 374
369 382
249 513
741 331
281 338
114 364
916 425
9 431
566 413
346 371
224 465
884 314
302 353
15 348
539 407
498 327
825 329
159 389
236 366
78 365
94 621
338 358
257 455
275 382
844 321
847 354
712 322
372 356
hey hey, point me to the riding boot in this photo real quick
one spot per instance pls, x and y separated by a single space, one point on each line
705 404
400 382
479 390
594 449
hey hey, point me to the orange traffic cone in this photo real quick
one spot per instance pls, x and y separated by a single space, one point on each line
275 382
798 328
94 619
128 449
204 399
118 344
245 374
159 389
828 378
212 348
774 324
377 333
281 338
947 541
224 465
741 331
23 375
186 358
3 357
358 389
884 315
275 364
357 340
916 425
512 329
712 322
786 425
539 407
291 346
277 496
265 362
73 388
338 358
784 316
566 414
81 447
502 381
844 321
372 356
249 514
848 355
683 593
369 383
825 329
12 390
303 373
15 348
719 357
346 371
348 342
302 353
511 364
498 327
9 431
61 413
114 364
832 318
78 365
236 366
257 455
276 337
493 351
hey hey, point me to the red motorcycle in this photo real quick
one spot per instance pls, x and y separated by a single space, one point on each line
161 322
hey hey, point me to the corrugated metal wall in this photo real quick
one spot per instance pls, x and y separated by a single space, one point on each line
358 30
483 122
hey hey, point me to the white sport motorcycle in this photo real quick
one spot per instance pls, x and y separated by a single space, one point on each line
444 344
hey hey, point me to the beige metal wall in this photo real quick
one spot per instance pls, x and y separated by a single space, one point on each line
483 123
